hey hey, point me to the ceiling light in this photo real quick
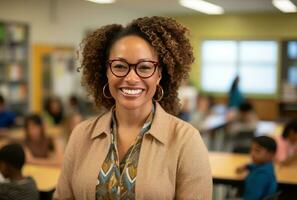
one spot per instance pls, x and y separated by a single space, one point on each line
202 6
102 1
285 6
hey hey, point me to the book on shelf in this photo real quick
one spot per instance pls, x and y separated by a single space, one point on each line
2 73
16 33
2 33
15 53
15 72
17 93
2 52
20 53
4 90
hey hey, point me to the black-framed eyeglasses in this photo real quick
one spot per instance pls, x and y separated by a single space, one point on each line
121 68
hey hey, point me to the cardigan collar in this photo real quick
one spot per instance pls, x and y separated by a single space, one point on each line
159 129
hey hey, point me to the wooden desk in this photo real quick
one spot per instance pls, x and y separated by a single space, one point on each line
223 165
46 177
19 134
3 142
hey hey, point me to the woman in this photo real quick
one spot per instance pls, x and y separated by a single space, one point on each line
39 148
136 150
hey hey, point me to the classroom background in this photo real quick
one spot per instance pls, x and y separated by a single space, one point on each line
242 84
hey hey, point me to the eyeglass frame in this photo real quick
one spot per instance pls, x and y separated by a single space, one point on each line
155 63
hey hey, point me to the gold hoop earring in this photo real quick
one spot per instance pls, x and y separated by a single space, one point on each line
159 88
107 97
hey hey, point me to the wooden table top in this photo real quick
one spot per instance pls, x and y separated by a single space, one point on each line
224 164
46 177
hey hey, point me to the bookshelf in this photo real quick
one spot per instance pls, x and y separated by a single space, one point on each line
14 65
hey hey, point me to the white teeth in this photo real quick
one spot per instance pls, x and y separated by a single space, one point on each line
129 91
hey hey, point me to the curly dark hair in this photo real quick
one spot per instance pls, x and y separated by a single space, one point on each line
167 37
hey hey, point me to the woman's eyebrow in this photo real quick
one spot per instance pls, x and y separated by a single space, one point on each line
139 60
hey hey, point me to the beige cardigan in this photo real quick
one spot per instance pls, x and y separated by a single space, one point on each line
173 162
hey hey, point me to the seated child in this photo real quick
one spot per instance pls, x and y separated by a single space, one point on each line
244 121
287 144
15 185
203 109
260 181
41 149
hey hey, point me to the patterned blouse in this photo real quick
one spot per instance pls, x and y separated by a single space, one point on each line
116 180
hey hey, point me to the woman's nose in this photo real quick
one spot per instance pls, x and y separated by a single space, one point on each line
132 76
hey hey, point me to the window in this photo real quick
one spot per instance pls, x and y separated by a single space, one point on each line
254 61
291 61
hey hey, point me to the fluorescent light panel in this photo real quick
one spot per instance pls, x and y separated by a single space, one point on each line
202 6
284 5
102 1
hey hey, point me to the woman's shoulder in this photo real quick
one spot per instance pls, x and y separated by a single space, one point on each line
86 127
181 124
183 131
87 122
173 127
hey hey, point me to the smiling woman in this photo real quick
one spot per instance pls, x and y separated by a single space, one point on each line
137 150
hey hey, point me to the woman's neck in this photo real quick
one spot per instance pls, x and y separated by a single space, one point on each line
132 118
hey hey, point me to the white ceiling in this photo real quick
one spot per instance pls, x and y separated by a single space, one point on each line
66 21
172 7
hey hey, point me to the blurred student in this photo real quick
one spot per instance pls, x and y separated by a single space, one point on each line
260 181
235 96
15 186
187 92
73 106
41 149
7 118
245 120
73 116
287 144
73 113
185 113
54 113
203 110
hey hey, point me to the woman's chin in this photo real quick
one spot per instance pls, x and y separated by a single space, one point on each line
133 105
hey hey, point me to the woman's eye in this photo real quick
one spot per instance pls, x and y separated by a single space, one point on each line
119 66
145 67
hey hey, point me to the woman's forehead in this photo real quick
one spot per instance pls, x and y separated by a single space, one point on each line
132 48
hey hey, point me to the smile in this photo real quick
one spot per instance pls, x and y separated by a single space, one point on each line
131 91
